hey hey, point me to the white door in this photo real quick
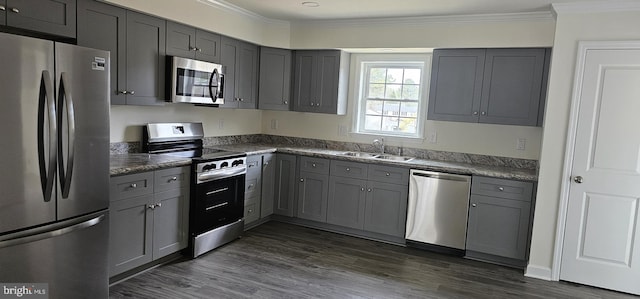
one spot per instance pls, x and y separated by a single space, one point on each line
602 239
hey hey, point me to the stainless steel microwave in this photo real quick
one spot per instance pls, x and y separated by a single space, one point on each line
195 82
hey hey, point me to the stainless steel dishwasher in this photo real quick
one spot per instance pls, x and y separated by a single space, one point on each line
438 209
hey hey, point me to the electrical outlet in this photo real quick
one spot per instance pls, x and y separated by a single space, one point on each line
521 144
432 137
342 130
221 124
274 124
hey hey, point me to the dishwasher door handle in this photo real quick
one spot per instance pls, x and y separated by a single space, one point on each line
442 176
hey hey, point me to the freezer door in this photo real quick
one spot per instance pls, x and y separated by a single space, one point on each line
27 118
71 257
82 80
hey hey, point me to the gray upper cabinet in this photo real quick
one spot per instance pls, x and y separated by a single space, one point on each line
55 17
498 86
137 46
189 42
320 81
103 26
274 91
499 220
240 67
146 38
268 184
285 185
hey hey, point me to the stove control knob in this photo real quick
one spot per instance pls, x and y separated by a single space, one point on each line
224 164
236 163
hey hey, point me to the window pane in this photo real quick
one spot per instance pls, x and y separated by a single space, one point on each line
391 108
376 91
374 107
394 75
390 124
372 122
377 75
407 125
411 76
409 109
394 91
410 92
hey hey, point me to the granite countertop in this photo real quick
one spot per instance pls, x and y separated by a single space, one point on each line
121 164
422 164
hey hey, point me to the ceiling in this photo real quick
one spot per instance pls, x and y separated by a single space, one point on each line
291 10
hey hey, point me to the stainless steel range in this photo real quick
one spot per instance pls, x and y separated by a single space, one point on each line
217 183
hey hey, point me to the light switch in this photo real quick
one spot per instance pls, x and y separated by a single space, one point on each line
274 124
521 144
432 137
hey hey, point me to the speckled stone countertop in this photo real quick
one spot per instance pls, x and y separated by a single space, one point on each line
121 164
422 164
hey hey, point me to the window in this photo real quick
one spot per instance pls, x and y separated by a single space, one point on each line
391 95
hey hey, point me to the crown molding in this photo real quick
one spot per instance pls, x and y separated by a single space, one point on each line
228 7
477 18
595 7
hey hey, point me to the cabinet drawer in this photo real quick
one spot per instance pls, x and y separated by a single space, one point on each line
132 185
315 165
502 188
253 166
349 169
252 187
387 174
172 178
251 212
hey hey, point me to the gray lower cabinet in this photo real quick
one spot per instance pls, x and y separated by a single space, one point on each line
369 197
497 86
137 46
55 17
320 81
240 67
148 217
312 196
285 185
274 90
253 189
268 184
499 220
189 42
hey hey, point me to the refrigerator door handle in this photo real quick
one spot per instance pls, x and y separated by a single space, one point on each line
57 230
65 99
47 106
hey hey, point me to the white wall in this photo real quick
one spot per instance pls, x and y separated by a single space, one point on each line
570 28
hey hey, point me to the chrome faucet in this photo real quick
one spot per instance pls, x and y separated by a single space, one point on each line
380 143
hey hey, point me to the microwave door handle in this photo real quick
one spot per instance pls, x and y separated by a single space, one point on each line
219 91
212 94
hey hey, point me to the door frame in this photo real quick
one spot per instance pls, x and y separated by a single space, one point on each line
583 47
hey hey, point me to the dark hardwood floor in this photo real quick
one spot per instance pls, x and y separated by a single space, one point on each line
277 260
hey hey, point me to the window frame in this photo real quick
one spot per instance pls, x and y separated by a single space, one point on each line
362 64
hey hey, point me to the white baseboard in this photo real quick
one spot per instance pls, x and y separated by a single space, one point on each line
543 273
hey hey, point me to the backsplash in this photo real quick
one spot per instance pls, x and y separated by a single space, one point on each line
284 141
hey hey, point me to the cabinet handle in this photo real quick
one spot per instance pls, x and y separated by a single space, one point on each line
250 211
199 50
158 205
250 186
348 169
133 185
123 92
15 10
501 188
132 92
241 99
301 179
285 102
313 165
369 190
311 104
173 179
474 205
475 112
152 206
362 189
387 174
484 113
2 8
193 49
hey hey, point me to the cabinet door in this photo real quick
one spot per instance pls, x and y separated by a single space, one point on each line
103 27
130 234
275 79
304 81
228 57
512 86
57 17
498 226
208 45
456 84
181 40
3 12
170 224
285 184
328 68
145 59
386 209
346 203
312 196
247 76
268 184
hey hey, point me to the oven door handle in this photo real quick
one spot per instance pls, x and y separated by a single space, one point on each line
221 173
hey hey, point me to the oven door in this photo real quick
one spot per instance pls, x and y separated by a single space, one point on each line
217 203
195 82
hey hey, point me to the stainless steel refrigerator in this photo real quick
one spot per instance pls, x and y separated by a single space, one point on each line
54 166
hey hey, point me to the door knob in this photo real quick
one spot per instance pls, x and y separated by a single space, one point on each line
578 179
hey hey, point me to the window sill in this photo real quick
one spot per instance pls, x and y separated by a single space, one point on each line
409 139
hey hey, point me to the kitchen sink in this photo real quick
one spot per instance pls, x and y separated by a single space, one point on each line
393 158
359 154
